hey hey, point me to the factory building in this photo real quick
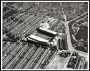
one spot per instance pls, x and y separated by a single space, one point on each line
54 39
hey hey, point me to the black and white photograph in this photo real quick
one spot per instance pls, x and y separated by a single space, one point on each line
45 35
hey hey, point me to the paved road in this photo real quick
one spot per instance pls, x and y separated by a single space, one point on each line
71 48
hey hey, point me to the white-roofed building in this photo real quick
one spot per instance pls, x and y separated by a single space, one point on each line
38 38
49 31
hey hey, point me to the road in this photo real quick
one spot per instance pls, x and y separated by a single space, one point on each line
70 47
